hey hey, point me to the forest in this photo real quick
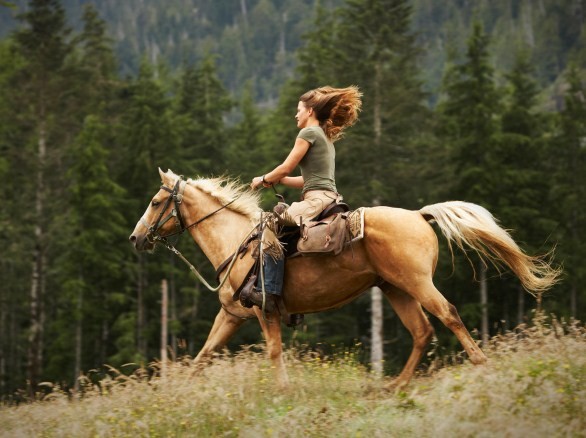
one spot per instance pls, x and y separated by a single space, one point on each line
477 101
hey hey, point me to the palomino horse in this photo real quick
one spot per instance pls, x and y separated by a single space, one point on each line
398 252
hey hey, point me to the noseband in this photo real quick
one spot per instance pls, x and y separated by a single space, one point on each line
175 195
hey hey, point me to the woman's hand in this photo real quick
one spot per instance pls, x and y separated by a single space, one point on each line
257 181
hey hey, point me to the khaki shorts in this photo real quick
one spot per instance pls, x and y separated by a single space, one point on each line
314 202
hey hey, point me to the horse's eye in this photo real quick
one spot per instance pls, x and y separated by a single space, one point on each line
155 203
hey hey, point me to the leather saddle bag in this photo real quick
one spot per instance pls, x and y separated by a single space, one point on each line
324 237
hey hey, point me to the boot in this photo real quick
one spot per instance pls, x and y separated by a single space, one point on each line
251 296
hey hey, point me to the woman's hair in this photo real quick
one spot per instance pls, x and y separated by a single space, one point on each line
335 108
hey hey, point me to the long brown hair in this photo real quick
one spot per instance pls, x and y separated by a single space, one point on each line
335 108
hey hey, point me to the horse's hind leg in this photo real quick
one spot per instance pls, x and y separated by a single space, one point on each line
225 325
435 303
411 315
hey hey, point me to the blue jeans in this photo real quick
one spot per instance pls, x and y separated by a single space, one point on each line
274 271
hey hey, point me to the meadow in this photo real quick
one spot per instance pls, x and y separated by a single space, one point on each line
533 385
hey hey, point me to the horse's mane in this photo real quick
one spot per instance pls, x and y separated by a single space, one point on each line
226 190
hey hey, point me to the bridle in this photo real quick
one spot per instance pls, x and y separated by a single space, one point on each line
176 196
153 236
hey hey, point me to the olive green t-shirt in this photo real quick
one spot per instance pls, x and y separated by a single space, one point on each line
318 166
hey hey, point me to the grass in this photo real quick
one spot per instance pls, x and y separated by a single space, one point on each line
532 386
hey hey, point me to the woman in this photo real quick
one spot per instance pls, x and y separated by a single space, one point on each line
322 115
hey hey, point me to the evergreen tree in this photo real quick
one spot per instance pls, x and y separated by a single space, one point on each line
15 256
97 64
520 186
377 51
89 262
149 137
470 124
470 120
41 85
244 153
202 104
567 153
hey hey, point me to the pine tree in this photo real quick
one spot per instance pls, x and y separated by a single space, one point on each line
149 135
377 51
567 153
244 154
89 262
14 261
520 185
470 124
202 104
470 119
97 64
41 83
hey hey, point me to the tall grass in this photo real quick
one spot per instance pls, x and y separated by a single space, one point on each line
532 386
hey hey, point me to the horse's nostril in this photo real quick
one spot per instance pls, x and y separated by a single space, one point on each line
132 238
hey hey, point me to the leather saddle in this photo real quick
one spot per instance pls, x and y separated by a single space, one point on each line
291 236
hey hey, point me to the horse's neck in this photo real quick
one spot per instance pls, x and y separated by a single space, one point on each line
219 235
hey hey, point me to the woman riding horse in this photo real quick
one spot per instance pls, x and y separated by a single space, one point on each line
322 115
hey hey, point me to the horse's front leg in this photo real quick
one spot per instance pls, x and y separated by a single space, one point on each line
271 328
225 325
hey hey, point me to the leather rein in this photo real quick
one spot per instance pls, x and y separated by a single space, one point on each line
153 236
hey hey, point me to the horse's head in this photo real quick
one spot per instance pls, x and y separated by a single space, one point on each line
162 217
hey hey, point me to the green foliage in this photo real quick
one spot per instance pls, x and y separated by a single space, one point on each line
567 152
202 103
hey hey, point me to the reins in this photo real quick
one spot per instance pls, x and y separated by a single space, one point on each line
192 268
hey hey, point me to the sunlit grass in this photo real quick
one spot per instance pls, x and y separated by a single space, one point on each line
532 386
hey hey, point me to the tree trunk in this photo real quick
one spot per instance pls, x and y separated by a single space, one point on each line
164 306
34 354
3 343
78 338
484 304
140 322
520 305
527 21
244 11
173 306
376 335
376 315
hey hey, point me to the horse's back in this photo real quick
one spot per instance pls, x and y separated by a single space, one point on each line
398 223
395 240
400 244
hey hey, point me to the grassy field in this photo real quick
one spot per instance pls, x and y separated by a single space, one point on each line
533 386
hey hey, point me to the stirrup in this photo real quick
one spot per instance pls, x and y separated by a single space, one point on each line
253 297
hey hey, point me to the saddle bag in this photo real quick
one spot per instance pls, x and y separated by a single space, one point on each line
324 237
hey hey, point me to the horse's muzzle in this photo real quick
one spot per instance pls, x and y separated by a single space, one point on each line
140 242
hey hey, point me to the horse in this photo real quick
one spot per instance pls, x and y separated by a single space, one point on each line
398 253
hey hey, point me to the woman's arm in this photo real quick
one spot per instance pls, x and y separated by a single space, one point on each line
292 181
282 170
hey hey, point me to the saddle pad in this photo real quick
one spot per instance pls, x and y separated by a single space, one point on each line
356 224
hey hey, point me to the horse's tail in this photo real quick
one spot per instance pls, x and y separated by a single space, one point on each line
473 225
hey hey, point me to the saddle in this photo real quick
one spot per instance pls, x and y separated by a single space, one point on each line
326 234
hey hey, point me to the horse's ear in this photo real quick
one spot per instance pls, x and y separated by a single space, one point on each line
163 175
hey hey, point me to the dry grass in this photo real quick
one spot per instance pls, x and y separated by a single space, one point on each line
532 386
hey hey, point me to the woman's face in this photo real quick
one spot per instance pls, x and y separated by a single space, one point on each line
303 115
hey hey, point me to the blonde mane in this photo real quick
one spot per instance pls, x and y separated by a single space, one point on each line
225 190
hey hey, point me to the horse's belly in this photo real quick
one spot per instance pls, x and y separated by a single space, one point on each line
314 284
